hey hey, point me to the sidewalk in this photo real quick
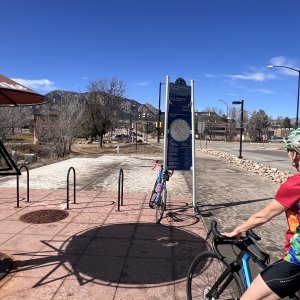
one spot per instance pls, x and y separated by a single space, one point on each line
98 252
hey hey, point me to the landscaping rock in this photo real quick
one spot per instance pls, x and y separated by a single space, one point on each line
272 174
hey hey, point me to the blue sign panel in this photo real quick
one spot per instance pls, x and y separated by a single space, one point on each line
179 152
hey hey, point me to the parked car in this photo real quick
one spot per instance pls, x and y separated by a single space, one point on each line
276 139
120 137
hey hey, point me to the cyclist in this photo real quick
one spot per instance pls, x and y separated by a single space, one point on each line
282 278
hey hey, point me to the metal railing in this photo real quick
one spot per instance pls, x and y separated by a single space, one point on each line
18 185
120 188
68 186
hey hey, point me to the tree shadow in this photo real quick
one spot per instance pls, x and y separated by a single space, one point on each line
127 255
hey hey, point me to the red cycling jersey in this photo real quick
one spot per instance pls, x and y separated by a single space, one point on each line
289 196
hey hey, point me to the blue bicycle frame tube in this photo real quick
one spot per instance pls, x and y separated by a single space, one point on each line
246 269
159 181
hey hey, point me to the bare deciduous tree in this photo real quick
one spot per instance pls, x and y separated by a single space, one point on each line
102 103
12 118
56 129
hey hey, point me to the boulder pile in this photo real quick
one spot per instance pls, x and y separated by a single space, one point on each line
268 172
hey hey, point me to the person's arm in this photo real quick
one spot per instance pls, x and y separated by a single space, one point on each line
263 216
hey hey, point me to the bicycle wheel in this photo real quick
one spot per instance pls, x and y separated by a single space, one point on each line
153 196
204 271
161 205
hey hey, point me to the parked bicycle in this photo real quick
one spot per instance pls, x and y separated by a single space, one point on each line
211 274
158 199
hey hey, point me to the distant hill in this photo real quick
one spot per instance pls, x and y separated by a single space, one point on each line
129 108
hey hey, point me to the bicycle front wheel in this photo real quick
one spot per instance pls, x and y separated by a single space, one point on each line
161 205
204 271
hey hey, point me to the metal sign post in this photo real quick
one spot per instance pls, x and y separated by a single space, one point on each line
166 123
193 143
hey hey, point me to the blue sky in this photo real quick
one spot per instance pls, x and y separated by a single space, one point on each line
223 45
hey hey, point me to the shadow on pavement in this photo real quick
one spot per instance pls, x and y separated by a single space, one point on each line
127 255
206 208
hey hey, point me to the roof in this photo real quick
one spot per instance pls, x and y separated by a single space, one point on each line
14 93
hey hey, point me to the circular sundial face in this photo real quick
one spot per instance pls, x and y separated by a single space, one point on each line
180 130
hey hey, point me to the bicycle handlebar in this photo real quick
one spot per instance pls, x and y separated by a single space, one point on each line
245 243
216 233
252 234
157 163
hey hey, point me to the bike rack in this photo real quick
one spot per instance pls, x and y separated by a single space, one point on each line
120 188
68 186
18 186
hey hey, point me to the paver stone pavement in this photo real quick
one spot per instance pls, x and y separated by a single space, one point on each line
98 252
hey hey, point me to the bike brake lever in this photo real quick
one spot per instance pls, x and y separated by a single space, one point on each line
252 234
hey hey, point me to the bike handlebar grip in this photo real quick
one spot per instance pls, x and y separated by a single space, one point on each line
214 229
217 233
157 163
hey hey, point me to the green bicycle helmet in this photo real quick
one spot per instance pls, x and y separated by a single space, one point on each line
292 141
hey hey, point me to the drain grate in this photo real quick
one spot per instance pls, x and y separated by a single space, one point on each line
44 216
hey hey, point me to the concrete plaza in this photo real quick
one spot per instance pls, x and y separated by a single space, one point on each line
98 252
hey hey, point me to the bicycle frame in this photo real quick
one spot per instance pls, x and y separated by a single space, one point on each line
236 269
241 263
158 198
247 276
160 181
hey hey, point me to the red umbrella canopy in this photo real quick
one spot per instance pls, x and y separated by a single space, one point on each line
14 93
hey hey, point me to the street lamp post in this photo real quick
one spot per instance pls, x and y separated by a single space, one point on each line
136 135
298 71
226 119
242 121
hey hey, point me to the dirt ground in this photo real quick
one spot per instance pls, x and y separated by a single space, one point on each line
81 148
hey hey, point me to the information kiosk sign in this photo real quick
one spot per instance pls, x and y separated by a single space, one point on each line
179 154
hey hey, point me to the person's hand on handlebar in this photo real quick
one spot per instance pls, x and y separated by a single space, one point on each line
235 233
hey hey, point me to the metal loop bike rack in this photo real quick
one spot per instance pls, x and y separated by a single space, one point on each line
18 185
68 186
120 188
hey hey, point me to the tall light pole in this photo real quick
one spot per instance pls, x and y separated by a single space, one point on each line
242 121
226 119
298 71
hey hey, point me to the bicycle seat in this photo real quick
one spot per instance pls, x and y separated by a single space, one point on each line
257 251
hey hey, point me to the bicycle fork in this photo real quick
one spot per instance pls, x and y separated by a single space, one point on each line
220 285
